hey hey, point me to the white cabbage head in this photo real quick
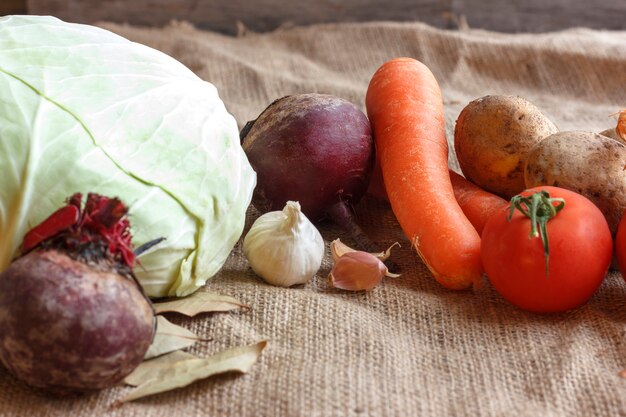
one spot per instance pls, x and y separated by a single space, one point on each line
85 110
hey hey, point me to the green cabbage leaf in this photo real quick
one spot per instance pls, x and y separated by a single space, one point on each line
85 110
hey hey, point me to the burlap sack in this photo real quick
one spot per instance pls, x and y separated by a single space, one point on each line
409 347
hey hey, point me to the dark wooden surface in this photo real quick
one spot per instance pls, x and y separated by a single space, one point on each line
263 15
12 7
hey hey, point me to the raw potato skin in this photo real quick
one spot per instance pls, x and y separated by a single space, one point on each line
612 133
492 138
587 163
67 331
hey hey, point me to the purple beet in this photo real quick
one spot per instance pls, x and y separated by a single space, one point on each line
72 316
315 149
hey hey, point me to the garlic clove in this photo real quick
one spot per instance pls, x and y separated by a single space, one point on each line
383 256
357 271
391 274
338 248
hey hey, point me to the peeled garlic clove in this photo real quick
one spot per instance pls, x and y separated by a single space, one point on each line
284 247
356 271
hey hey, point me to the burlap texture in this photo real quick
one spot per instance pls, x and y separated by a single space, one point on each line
409 347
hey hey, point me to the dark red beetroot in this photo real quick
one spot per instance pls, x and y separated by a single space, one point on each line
315 149
72 316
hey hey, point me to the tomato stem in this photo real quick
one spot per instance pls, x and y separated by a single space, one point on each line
539 208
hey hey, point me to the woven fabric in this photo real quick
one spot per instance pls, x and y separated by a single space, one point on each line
409 347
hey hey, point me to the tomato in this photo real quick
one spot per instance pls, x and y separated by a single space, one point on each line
580 250
620 246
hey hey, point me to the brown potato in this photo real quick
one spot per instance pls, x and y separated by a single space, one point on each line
612 133
588 163
492 138
619 131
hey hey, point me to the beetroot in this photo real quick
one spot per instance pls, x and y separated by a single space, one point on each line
315 149
72 316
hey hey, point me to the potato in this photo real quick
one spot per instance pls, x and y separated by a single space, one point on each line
585 162
619 131
492 138
612 133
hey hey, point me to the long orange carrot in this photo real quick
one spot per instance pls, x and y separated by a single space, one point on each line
477 204
405 108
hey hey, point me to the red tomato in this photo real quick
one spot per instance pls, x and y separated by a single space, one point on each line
580 251
620 246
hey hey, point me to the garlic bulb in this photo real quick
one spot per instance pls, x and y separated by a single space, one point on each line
284 247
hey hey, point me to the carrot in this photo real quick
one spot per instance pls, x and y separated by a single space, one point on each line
405 108
477 204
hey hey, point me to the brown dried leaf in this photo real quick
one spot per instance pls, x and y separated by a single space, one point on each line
154 367
622 373
199 302
168 338
182 373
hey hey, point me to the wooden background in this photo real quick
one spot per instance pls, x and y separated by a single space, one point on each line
12 7
228 16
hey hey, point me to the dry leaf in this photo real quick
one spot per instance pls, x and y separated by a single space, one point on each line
182 373
199 302
154 367
622 374
168 338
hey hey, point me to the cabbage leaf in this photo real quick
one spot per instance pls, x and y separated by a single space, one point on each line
85 110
